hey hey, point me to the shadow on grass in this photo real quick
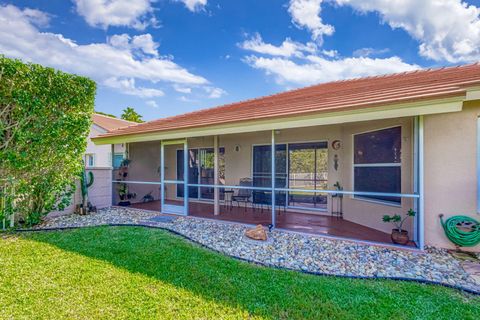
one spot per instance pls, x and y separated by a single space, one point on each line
260 291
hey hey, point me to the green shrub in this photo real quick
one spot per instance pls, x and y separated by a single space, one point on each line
45 117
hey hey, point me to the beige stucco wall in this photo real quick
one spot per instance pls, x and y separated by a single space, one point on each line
144 166
450 169
103 153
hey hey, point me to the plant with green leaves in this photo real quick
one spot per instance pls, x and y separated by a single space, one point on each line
130 114
85 183
397 219
45 118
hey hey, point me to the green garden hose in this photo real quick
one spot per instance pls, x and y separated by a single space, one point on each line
462 230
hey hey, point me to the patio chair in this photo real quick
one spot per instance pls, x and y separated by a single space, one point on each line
243 195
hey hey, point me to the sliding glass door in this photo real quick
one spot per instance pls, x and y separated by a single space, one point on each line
201 171
308 170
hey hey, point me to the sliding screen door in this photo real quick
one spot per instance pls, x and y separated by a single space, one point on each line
308 170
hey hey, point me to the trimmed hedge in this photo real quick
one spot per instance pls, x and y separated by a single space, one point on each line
45 118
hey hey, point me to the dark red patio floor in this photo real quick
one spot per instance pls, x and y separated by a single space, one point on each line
296 221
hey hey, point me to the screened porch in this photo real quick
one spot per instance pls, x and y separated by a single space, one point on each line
336 180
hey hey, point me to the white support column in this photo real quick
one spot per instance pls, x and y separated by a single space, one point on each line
185 177
216 191
421 201
162 176
112 158
273 179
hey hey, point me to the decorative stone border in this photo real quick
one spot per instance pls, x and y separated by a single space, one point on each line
293 251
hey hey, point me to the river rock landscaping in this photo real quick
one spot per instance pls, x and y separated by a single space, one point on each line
303 252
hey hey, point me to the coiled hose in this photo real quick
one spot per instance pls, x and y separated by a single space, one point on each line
462 230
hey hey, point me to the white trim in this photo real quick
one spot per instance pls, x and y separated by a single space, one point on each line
376 165
87 163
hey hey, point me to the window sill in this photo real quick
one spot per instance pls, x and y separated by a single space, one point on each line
379 202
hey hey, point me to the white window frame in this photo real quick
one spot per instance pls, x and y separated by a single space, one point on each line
113 158
376 165
87 164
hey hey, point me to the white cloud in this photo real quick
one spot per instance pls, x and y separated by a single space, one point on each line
182 89
330 53
367 52
214 93
104 13
448 30
127 86
141 44
306 14
194 5
185 99
152 103
113 63
317 69
37 17
288 48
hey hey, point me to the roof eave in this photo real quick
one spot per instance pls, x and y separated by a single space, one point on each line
405 109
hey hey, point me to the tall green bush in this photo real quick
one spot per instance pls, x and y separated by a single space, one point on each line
45 117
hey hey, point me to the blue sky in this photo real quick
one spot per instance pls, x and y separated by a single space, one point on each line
167 57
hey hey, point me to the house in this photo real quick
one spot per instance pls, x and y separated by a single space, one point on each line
345 153
100 161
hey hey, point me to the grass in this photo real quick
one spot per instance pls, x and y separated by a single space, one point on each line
138 273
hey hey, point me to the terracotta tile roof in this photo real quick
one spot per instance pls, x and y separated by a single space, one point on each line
327 97
109 123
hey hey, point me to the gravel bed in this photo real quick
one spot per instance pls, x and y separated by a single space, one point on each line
297 251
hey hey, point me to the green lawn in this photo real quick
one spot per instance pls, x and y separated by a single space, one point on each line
137 273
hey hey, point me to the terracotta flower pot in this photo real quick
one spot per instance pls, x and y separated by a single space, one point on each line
400 237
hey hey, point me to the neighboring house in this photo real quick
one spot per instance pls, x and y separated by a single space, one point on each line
98 159
393 142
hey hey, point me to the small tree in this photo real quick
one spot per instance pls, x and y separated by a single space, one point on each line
45 118
130 114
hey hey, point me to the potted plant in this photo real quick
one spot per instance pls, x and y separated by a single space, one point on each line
399 235
123 192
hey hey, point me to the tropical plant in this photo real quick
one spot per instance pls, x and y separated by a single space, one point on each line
86 183
397 219
45 118
130 114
